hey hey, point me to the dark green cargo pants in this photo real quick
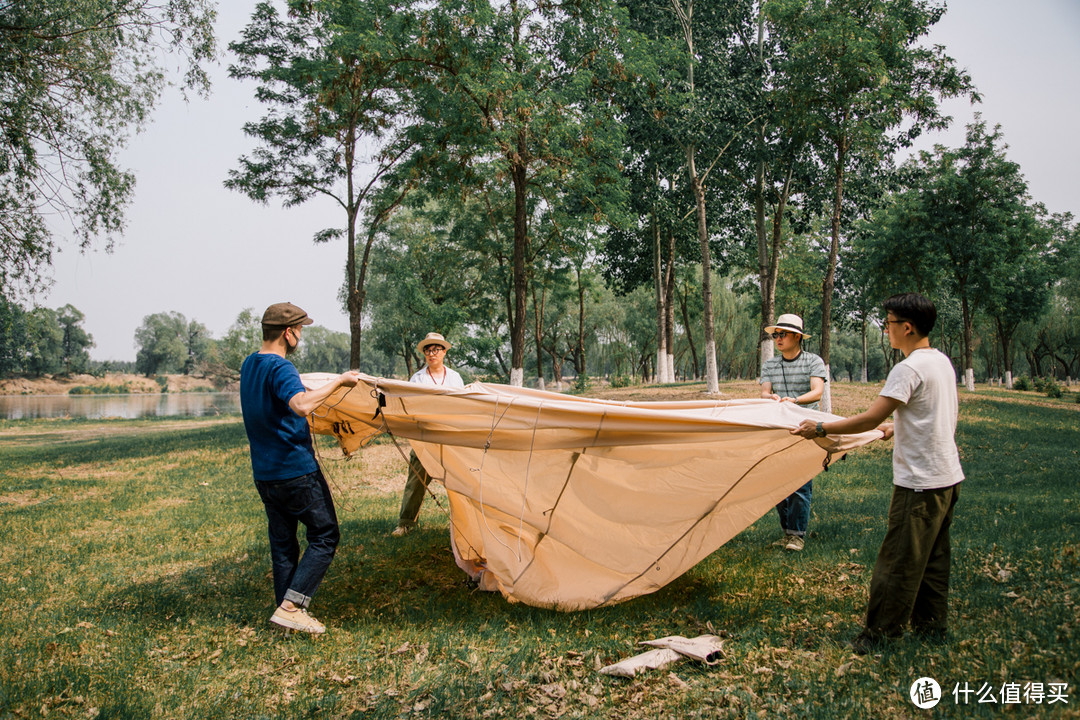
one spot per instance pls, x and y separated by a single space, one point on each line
911 576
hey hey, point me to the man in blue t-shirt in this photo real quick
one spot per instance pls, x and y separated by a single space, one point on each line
275 405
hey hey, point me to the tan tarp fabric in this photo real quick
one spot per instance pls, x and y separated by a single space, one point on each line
572 503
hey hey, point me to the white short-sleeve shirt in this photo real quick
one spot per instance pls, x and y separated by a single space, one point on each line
450 380
924 450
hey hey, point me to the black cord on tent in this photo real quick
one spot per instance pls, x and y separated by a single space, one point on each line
446 511
330 479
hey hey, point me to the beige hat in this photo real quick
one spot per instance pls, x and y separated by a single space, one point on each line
432 339
285 315
789 322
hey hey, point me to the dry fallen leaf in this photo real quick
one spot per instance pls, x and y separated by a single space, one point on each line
677 681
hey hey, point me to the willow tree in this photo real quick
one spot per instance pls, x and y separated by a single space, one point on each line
76 80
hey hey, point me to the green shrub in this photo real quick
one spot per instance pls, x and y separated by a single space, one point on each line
163 383
105 389
1052 389
620 381
1022 383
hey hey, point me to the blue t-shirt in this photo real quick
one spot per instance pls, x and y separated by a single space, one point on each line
279 438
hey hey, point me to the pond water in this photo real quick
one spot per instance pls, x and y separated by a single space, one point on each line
20 407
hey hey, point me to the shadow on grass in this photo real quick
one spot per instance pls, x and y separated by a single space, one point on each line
122 442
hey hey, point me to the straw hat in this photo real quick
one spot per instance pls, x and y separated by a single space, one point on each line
789 322
432 339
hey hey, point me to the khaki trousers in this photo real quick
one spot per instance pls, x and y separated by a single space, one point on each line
415 489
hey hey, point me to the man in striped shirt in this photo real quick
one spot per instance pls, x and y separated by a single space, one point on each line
794 376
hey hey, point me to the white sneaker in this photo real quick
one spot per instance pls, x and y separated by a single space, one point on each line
795 543
401 531
297 619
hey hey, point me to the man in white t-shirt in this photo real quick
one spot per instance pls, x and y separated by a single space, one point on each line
433 347
911 575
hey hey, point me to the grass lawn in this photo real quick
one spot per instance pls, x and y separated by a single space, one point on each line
138 576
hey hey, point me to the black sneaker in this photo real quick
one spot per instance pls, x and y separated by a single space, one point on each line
865 644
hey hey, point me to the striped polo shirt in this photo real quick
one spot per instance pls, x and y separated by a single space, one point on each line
791 378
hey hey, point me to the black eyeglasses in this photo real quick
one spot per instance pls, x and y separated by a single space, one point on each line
433 349
781 335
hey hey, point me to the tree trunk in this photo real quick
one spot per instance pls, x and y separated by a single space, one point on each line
769 260
538 324
1006 353
865 376
830 274
689 336
354 300
580 354
357 293
969 362
518 172
712 380
669 304
661 311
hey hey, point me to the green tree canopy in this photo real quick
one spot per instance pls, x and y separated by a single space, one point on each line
967 226
76 78
329 73
868 87
162 343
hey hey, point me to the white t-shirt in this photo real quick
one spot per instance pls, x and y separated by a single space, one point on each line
450 380
924 449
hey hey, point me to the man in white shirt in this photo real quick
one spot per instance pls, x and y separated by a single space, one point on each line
911 575
433 347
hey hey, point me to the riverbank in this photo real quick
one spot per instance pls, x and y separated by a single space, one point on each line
114 382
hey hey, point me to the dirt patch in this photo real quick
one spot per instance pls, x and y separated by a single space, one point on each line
23 499
138 384
152 508
378 468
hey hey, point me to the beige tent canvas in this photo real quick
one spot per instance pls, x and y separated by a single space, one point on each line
571 503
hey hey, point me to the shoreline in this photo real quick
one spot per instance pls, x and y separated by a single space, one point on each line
127 383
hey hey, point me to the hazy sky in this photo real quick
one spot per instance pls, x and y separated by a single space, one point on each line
193 247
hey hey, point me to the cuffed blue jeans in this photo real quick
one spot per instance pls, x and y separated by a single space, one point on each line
794 510
305 499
